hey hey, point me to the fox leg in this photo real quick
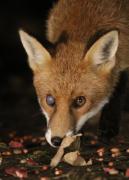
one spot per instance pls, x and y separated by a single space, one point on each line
112 112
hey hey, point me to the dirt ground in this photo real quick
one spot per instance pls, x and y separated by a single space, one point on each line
25 154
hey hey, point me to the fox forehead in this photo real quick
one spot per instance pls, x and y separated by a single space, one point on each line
59 82
64 71
76 80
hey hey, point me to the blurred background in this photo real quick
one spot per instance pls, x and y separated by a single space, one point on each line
19 109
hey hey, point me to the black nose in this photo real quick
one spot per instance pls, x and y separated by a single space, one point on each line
56 141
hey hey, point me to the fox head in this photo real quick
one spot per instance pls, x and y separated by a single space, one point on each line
72 85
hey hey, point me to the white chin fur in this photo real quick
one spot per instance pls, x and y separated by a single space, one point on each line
90 114
48 137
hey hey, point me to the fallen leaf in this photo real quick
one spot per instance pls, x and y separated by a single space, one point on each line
21 173
16 172
31 162
57 158
111 171
74 158
127 173
67 141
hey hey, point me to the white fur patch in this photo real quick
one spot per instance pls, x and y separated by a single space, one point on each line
44 112
48 137
46 115
90 114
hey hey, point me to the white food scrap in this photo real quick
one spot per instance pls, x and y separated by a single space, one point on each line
67 141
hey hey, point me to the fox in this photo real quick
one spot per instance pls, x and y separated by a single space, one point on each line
85 69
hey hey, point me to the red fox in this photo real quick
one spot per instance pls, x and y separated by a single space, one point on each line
85 70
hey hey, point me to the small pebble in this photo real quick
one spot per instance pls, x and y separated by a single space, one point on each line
27 137
110 164
17 151
38 153
45 168
127 150
100 152
6 153
12 134
100 159
88 170
115 155
115 150
42 138
1 159
36 171
23 161
93 142
44 178
43 143
34 140
113 172
58 172
25 151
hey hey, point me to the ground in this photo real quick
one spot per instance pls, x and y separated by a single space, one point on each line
25 153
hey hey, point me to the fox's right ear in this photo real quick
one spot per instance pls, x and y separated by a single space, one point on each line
103 52
37 54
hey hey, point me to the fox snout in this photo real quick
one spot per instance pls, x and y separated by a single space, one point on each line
59 125
54 140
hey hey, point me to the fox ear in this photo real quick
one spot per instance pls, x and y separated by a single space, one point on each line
37 54
103 51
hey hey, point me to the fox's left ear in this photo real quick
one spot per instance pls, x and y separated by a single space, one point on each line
103 51
38 56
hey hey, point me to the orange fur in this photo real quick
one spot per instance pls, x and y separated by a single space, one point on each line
70 72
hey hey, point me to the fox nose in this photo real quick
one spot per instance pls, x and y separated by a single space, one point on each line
56 141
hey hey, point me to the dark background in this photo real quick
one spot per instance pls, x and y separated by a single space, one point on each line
19 109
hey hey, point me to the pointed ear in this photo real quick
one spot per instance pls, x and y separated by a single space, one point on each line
37 54
103 51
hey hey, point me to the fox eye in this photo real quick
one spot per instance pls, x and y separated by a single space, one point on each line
50 100
79 101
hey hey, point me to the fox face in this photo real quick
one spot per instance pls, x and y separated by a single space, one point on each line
72 85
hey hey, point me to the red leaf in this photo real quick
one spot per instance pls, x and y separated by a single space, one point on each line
127 173
11 171
21 173
15 144
16 172
31 162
